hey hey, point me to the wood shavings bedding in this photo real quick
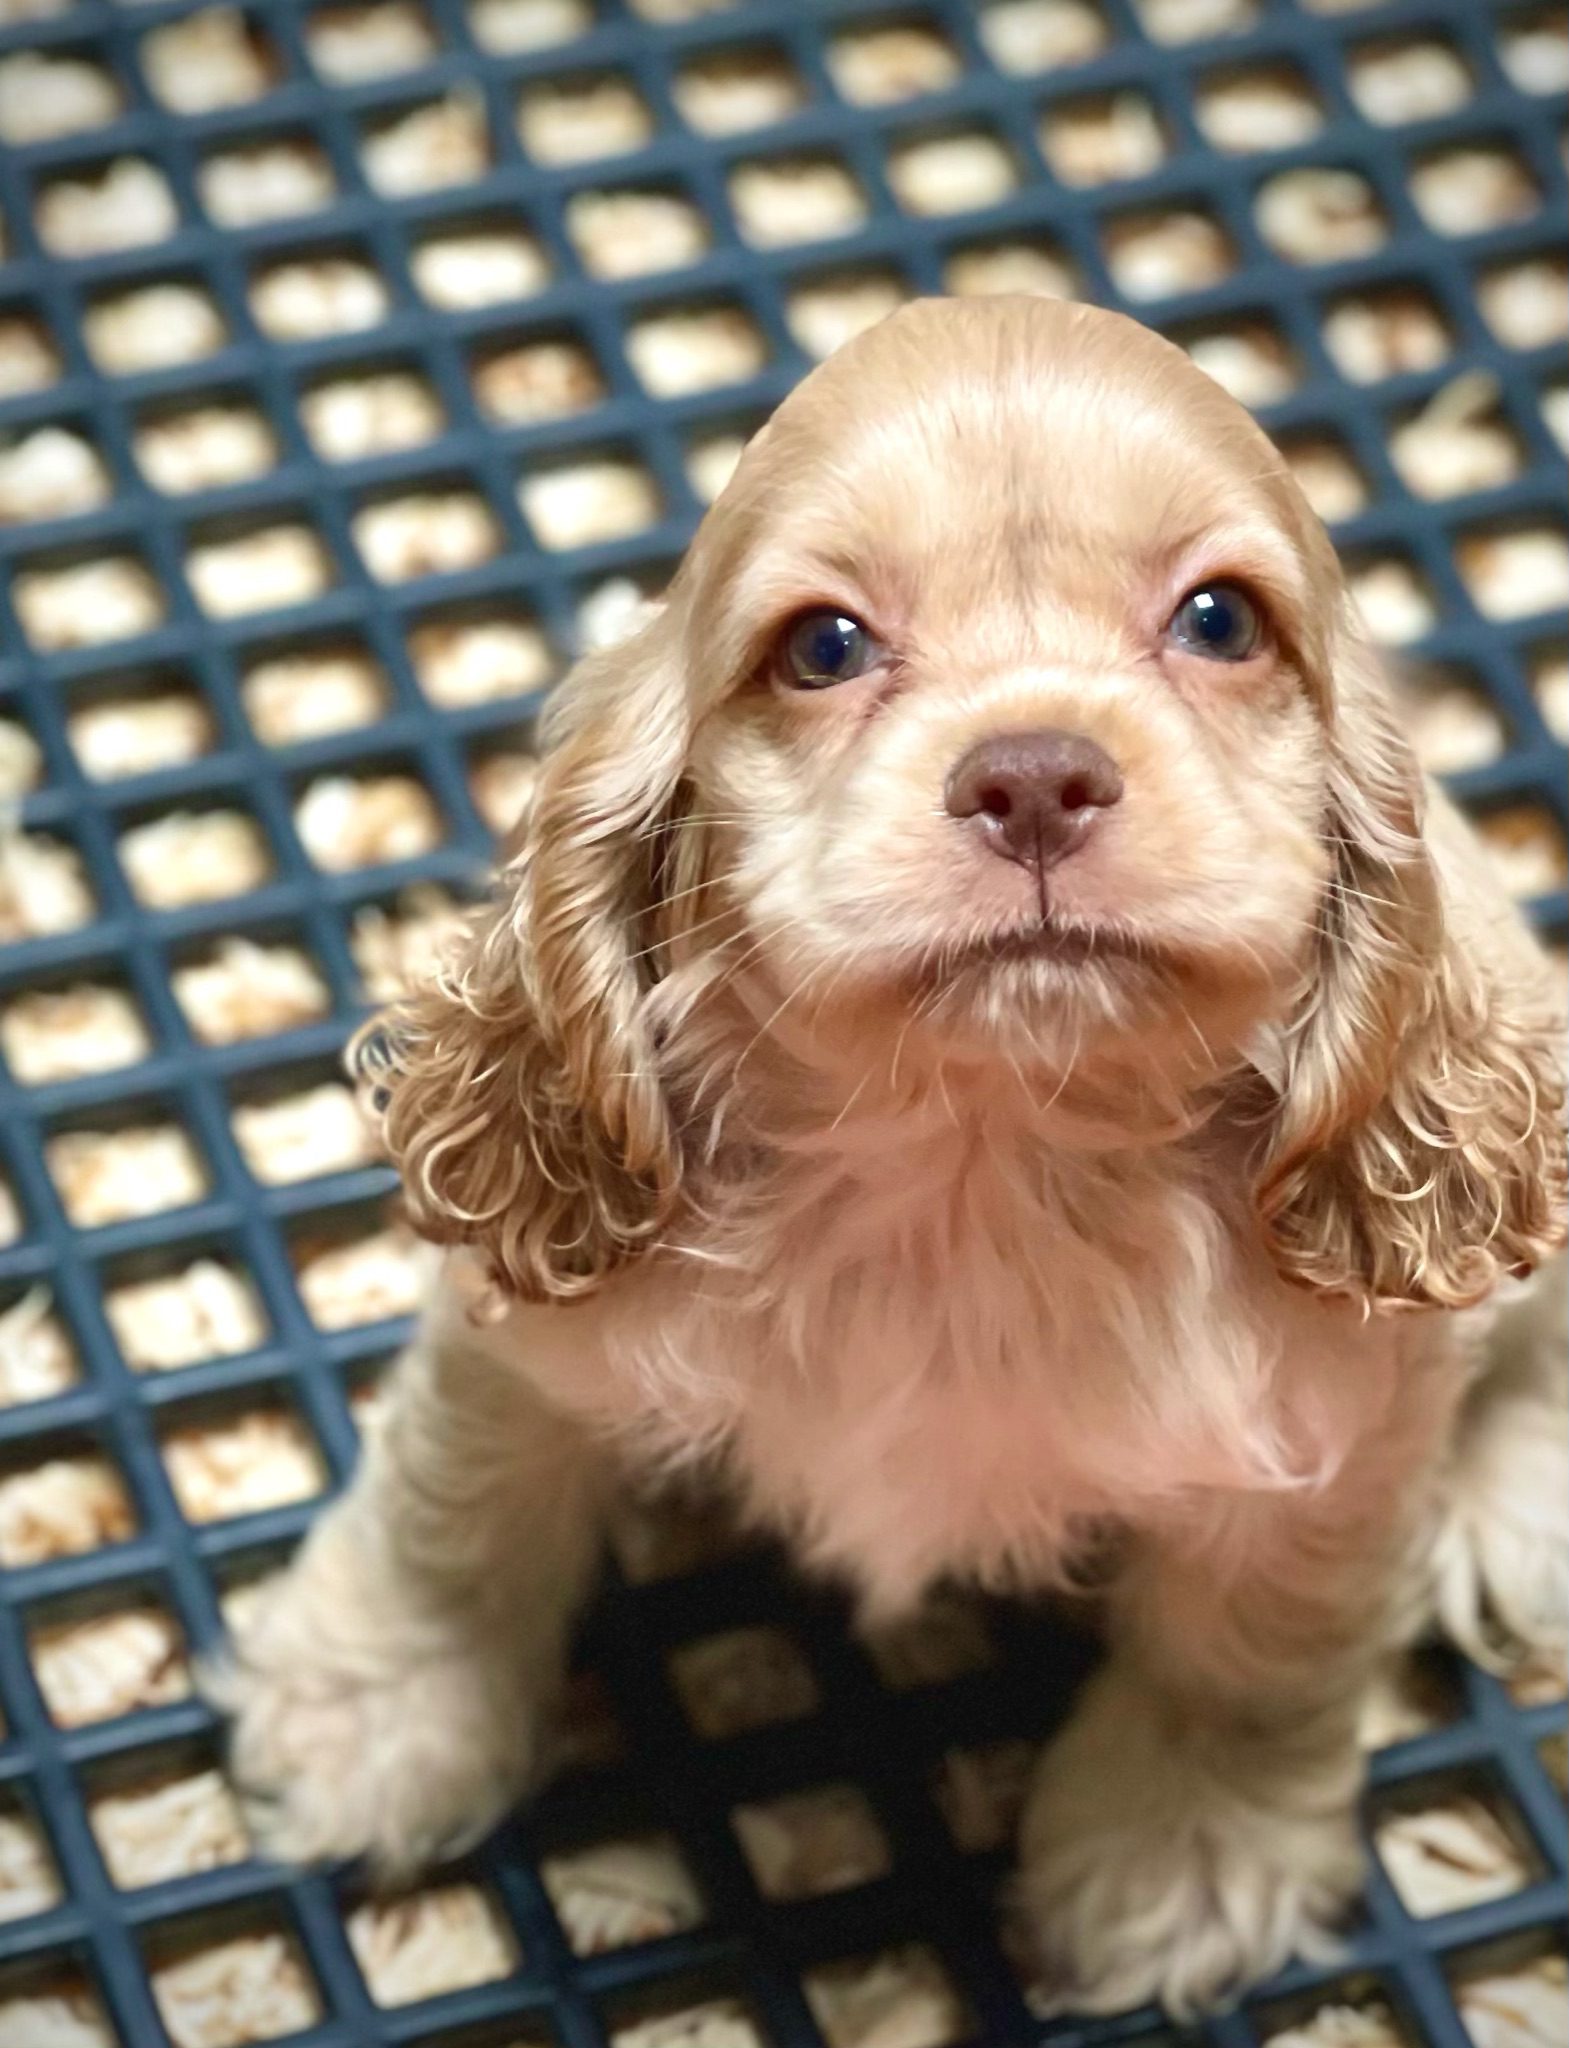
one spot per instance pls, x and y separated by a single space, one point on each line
981 1793
309 298
136 1170
476 661
807 1844
86 604
43 887
364 1281
173 1827
510 27
1534 50
348 419
1452 726
1009 266
28 1881
350 45
824 314
301 696
615 1894
347 822
1189 21
209 60
1526 849
1449 1855
231 1993
1320 215
573 122
430 1943
265 1458
885 63
204 1311
44 95
319 1130
1382 334
37 1358
21 761
899 1998
1513 574
399 949
253 183
205 447
59 2014
152 327
1523 2007
445 142
1467 191
431 533
1154 255
1253 111
126 204
1026 36
29 360
1527 303
257 572
742 1679
50 473
1369 2024
189 857
500 785
580 504
1252 361
711 462
1328 476
634 234
1458 442
1097 141
65 1507
480 267
1417 78
10 1214
248 990
955 173
105 1665
719 2023
677 353
537 380
782 200
118 736
1394 602
59 1034
612 612
732 92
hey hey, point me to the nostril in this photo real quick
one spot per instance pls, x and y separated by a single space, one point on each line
996 801
1074 794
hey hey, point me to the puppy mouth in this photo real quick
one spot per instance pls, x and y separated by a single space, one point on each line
1048 941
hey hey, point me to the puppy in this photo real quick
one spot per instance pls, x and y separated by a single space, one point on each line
983 1038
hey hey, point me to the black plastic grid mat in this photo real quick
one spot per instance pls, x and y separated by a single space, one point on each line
73 650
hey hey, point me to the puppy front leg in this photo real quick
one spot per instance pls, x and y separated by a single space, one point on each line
1195 1824
388 1693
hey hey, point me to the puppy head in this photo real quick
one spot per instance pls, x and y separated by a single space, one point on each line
1006 716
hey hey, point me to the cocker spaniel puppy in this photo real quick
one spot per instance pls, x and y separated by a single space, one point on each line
983 1039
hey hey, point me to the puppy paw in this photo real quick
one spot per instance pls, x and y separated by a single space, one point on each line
1146 1877
1502 1558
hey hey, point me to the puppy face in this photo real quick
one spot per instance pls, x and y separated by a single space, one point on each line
1014 719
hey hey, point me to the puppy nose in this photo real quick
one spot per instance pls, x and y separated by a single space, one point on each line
1037 794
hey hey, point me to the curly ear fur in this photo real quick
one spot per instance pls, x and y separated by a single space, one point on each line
520 1094
1418 1145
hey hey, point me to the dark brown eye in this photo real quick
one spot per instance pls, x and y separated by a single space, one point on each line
826 647
1217 620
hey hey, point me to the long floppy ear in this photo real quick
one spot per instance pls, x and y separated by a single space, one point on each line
1417 1148
520 1093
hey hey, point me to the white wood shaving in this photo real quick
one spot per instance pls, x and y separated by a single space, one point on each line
131 735
483 267
1191 21
13 12
582 503
612 612
28 1881
205 447
434 1942
311 297
1251 360
57 1034
1466 191
43 887
37 1358
981 1793
886 62
1257 110
1555 414
172 1828
1457 442
1449 1856
826 313
205 1311
140 1170
44 95
430 534
711 462
731 92
349 45
743 1679
59 2015
537 380
367 1280
247 990
189 857
1031 267
29 360
618 1893
501 785
21 760
1524 2007
294 697
10 1217
1416 79
1535 52
154 327
347 821
634 234
506 28
810 1843
445 142
1394 602
1329 478
1320 215
900 1998
1550 682
350 418
124 205
1153 255
781 200
88 603
1096 141
573 122
669 11
1407 1699
321 1130
1525 848
264 1459
1385 334
232 1993
1512 575
476 661
1453 727
677 353
50 473
65 1507
400 949
1025 36
259 571
723 2022
944 1639
251 183
209 60
1370 2025
952 173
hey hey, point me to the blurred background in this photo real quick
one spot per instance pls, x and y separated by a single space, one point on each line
359 364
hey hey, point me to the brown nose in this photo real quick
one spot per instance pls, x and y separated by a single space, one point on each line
1036 794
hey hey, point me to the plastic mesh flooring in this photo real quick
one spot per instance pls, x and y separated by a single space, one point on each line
785 196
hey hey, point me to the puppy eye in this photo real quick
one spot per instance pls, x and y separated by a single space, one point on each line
1217 620
824 648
